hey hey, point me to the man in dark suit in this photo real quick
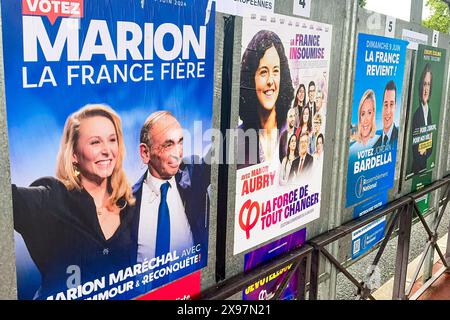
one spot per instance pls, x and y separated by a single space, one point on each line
291 129
389 134
172 201
304 162
422 118
312 99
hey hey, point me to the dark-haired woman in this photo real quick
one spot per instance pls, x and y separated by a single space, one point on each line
299 103
286 164
265 96
305 121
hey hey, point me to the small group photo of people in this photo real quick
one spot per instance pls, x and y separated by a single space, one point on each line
302 140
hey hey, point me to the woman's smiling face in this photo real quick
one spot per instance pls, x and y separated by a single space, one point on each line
301 94
267 79
97 148
305 115
293 143
366 118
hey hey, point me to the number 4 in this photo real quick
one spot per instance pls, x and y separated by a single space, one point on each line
302 8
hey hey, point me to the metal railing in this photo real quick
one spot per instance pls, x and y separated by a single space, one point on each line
306 259
401 211
298 257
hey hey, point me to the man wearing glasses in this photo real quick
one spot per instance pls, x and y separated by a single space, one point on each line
301 165
172 200
312 98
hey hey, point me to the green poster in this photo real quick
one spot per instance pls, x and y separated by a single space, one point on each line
425 111
418 182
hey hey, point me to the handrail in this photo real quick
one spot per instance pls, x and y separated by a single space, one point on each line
431 187
353 225
237 283
312 249
409 207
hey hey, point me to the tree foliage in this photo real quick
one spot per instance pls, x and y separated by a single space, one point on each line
362 3
440 16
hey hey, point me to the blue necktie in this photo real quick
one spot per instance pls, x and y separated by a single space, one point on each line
163 229
162 235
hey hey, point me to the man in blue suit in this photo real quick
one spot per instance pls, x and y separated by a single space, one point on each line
389 134
172 203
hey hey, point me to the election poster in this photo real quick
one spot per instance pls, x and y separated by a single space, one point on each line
281 135
367 237
375 203
418 182
106 101
363 239
377 100
266 287
425 110
244 7
186 288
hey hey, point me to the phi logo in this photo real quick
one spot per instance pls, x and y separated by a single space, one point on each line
249 216
52 9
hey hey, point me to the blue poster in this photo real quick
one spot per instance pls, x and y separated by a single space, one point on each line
367 237
370 205
107 102
376 110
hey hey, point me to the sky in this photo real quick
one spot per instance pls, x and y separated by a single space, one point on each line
396 8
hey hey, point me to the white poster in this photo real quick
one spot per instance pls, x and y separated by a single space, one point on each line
302 8
244 7
414 38
283 103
